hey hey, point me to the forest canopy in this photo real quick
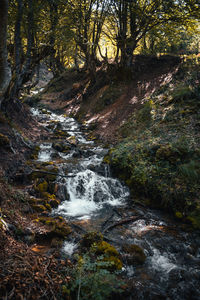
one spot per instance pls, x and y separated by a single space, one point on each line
85 33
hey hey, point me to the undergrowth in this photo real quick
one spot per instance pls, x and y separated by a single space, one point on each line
159 156
93 280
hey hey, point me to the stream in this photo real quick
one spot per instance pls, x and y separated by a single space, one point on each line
92 199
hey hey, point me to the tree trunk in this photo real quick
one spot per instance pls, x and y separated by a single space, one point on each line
17 52
5 73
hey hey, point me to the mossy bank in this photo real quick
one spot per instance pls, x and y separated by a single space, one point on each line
158 154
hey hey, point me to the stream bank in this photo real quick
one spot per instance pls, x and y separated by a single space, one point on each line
160 259
74 213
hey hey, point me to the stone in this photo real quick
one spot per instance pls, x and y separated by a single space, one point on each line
134 254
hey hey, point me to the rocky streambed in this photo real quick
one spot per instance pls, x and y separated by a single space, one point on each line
160 259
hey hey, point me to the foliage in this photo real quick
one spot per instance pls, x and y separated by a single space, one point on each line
160 157
93 280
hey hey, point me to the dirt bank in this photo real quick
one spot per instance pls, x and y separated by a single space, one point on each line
116 94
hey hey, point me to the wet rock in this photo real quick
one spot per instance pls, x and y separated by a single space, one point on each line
77 154
35 151
61 147
62 192
61 133
58 146
99 196
54 203
87 153
134 254
91 238
57 226
55 155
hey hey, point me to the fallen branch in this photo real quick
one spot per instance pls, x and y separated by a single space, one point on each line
107 220
122 222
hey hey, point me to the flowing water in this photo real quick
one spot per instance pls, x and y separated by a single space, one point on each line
94 200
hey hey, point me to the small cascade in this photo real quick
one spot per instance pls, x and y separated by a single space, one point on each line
172 266
45 152
88 193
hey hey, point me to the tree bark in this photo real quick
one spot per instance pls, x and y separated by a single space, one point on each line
5 72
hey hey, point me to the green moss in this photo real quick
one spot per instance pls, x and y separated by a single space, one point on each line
105 248
42 187
159 159
57 226
54 203
135 254
34 154
144 114
116 263
90 238
178 215
48 206
182 93
109 254
39 208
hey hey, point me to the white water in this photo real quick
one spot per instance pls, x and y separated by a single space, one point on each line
161 262
172 264
88 192
69 247
45 152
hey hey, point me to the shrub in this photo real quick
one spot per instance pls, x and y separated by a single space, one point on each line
92 279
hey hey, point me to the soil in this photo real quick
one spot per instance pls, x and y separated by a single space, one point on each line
75 96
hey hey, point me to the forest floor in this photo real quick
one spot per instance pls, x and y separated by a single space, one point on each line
109 108
108 103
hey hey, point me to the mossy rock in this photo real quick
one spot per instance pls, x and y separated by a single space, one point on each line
134 254
42 173
48 196
42 187
54 203
61 133
4 140
57 226
109 254
48 206
90 238
61 147
39 208
105 249
34 154
115 263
